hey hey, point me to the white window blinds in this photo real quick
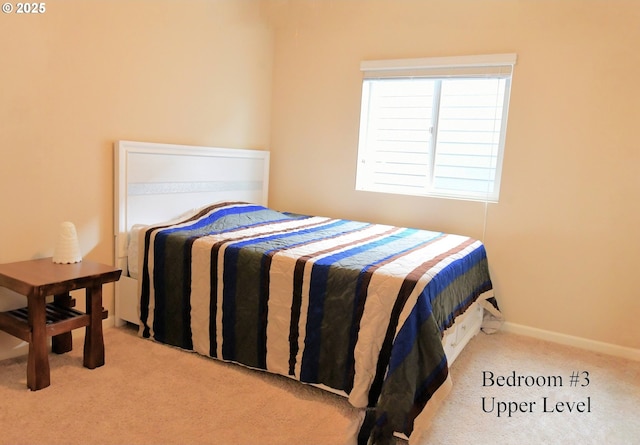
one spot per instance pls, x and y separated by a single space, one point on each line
434 126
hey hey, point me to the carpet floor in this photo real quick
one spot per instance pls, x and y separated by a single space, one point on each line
508 389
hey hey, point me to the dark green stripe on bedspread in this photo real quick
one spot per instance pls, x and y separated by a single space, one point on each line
438 305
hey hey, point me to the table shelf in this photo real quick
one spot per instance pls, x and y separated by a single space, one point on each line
59 319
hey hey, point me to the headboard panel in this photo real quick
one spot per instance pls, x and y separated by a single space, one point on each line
158 182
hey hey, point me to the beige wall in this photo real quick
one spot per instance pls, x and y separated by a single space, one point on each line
564 240
86 73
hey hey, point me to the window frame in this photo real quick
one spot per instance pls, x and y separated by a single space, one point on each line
496 66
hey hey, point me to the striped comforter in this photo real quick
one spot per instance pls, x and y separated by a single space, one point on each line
355 306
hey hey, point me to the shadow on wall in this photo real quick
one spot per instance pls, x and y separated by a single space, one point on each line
11 346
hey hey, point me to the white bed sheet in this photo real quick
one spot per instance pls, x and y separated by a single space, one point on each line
134 244
133 249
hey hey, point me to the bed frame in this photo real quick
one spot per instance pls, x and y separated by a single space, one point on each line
158 182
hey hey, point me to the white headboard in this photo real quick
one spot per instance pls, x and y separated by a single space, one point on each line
158 182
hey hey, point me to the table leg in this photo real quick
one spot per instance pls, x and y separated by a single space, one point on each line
38 374
93 340
63 342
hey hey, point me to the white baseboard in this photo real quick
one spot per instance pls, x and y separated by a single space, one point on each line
11 347
570 340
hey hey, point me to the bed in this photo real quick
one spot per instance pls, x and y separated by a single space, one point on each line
372 312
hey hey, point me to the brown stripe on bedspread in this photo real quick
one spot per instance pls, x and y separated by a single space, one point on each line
410 281
361 299
145 293
294 332
214 274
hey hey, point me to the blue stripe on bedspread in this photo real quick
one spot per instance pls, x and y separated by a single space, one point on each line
172 310
233 268
434 311
358 260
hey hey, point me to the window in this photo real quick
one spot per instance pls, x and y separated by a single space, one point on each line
434 126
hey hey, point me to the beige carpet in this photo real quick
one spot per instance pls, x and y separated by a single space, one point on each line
153 394
613 387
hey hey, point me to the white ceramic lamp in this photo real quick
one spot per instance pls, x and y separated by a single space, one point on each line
67 248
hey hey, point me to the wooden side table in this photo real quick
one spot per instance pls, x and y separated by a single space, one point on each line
38 279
